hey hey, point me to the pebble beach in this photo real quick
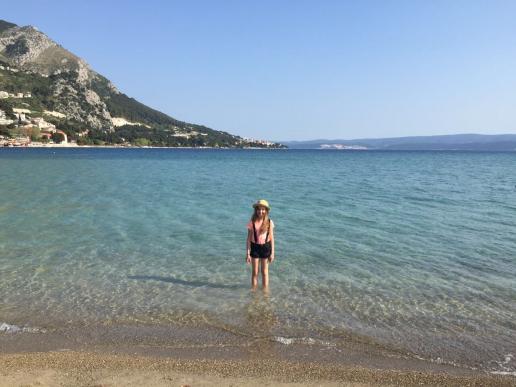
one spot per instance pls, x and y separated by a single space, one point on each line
98 369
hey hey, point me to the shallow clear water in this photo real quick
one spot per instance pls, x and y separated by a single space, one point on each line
414 250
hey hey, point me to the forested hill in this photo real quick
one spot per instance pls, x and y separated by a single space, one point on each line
46 82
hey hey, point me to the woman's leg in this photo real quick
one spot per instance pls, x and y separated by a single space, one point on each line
265 272
254 273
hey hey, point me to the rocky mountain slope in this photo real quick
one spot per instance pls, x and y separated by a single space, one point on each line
62 89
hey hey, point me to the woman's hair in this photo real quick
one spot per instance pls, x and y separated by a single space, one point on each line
266 222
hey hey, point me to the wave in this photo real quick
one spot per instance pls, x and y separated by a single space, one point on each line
302 340
505 366
504 373
10 328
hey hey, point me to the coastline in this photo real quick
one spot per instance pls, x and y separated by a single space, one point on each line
183 355
75 146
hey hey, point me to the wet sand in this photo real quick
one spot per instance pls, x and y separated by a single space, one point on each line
185 356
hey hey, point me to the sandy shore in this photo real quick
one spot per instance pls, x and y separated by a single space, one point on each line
98 369
175 355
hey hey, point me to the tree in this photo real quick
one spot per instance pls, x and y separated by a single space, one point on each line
84 141
4 131
7 107
57 137
34 134
141 142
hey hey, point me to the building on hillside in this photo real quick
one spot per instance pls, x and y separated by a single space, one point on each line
38 121
22 119
41 123
48 132
4 120
21 110
46 135
4 94
18 141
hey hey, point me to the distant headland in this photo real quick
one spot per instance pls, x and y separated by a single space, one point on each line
459 142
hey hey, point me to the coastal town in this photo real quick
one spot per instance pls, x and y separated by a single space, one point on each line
28 121
31 130
37 132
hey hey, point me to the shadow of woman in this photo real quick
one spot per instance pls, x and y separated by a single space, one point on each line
177 281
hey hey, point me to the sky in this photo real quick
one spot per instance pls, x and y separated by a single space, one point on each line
299 70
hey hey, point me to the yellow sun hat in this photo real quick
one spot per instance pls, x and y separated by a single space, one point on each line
262 203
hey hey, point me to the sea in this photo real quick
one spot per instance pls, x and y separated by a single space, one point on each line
410 251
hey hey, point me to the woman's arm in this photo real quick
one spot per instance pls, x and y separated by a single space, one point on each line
248 247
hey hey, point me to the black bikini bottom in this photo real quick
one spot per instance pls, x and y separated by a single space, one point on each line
261 251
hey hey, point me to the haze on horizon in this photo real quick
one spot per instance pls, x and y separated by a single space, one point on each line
301 70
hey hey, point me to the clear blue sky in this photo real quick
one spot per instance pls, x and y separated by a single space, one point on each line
293 70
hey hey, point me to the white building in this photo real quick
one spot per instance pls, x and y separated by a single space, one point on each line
19 110
4 120
22 119
42 124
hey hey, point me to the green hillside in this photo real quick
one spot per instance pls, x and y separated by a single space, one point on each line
156 129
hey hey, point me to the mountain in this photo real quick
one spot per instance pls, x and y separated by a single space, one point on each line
45 82
478 142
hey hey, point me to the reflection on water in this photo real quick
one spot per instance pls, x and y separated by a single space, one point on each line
261 320
261 317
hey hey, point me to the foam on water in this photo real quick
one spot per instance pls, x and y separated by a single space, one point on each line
302 340
10 328
505 367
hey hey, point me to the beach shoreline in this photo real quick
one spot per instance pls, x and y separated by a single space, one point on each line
115 369
174 355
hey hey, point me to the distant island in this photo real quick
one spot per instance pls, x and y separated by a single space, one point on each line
50 96
459 142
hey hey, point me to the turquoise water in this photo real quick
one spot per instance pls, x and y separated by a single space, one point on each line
412 250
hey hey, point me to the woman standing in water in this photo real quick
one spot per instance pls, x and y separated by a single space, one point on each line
260 242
